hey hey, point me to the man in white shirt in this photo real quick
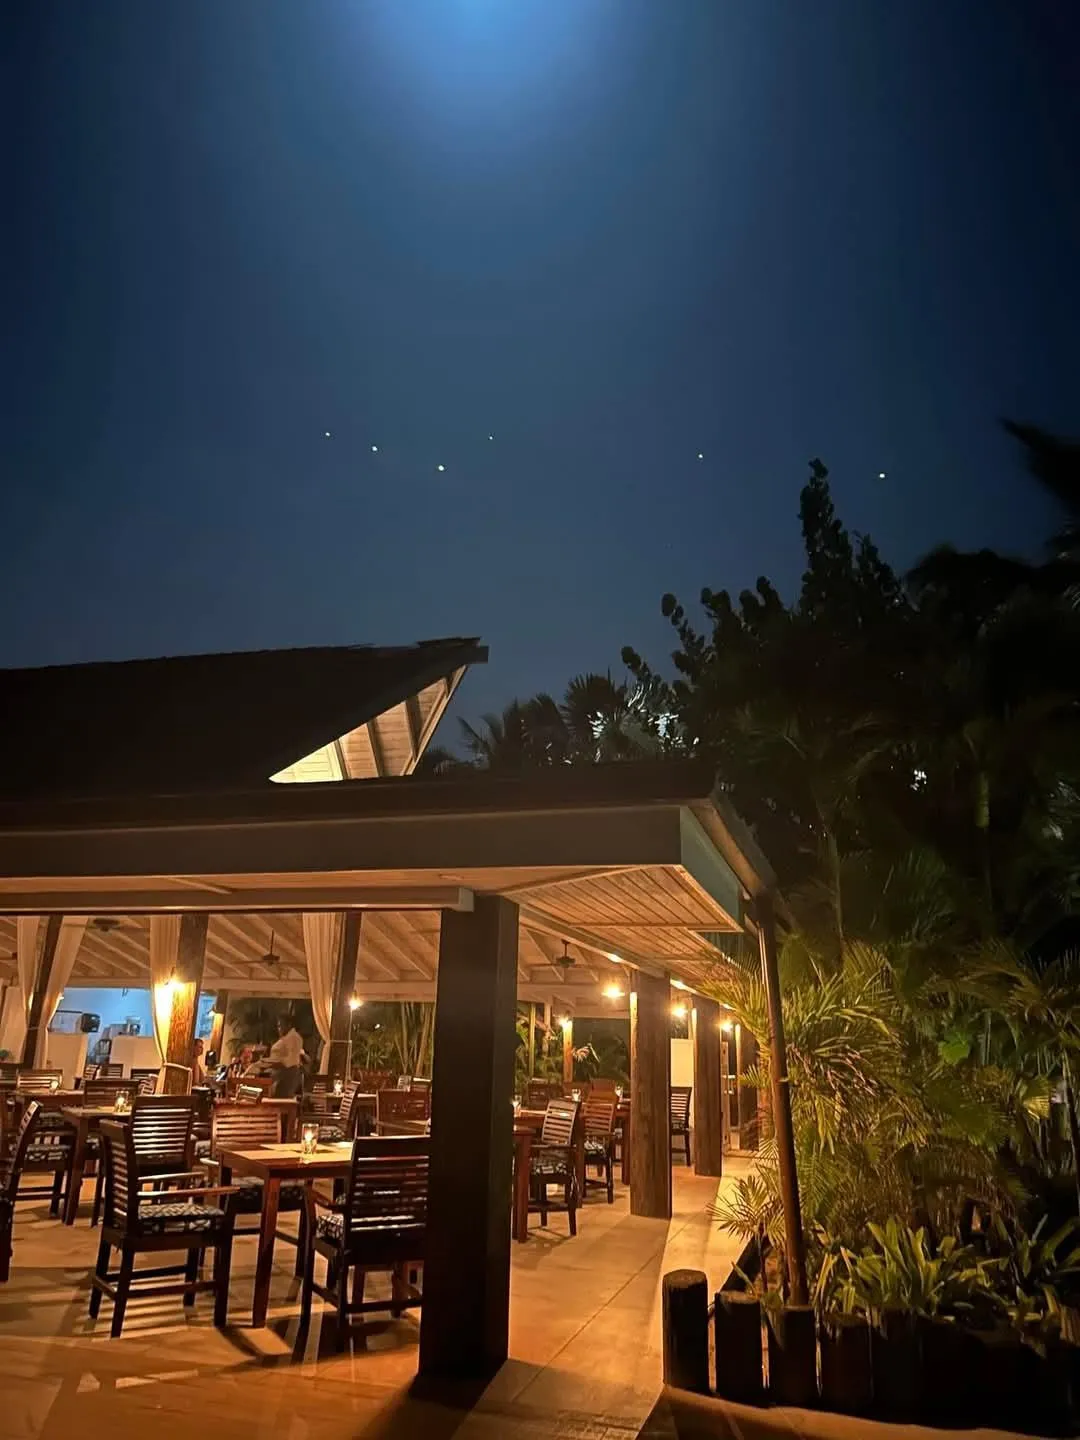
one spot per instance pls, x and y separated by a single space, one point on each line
285 1059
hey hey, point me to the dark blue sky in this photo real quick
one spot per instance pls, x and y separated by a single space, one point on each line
610 233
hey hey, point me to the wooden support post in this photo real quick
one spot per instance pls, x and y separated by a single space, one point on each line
686 1330
339 1061
464 1322
568 1050
184 995
532 1038
708 1089
781 1103
650 1096
36 1019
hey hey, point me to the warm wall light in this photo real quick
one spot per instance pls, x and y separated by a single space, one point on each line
355 1002
564 1022
725 1025
679 1011
613 992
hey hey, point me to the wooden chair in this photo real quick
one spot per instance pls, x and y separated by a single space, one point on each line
9 1184
9 1070
372 1081
174 1080
381 1225
169 1220
539 1092
90 1072
50 1150
148 1083
239 1126
553 1160
598 1117
249 1094
112 1070
341 1115
38 1082
680 1115
402 1112
104 1092
161 1128
143 1072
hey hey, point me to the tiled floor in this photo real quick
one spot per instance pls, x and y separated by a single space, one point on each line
585 1344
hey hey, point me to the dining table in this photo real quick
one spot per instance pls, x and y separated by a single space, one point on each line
85 1120
275 1165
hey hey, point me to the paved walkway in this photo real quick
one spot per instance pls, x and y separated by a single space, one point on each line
585 1344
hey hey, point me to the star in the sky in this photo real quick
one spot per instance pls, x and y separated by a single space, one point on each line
327 434
881 474
700 456
491 437
374 449
440 467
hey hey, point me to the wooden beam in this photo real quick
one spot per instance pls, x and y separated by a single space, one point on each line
780 1089
283 900
708 1094
650 1096
187 982
414 722
36 1019
341 1015
464 1323
378 759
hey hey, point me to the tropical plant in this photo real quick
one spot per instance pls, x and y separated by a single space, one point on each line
901 1269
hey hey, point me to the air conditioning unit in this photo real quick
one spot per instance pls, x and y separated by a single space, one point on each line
89 1024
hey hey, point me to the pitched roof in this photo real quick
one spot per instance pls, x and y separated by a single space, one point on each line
193 723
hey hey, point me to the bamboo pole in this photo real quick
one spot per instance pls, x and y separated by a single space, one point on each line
781 1103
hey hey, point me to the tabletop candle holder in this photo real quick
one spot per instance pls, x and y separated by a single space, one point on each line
122 1103
339 1089
309 1139
517 1106
54 1085
575 1095
618 1092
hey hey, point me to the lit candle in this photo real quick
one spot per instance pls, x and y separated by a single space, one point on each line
309 1138
122 1103
575 1095
339 1088
54 1084
517 1104
619 1091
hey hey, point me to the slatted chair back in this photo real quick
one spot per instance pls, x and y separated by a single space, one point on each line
104 1092
680 1108
347 1108
174 1079
90 1072
121 1176
161 1130
148 1084
144 1072
602 1086
387 1186
38 1082
241 1127
319 1100
396 1106
9 1190
113 1070
249 1094
539 1092
9 1069
599 1116
419 1082
372 1081
559 1120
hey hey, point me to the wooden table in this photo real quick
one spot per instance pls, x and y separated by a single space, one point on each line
273 1165
85 1120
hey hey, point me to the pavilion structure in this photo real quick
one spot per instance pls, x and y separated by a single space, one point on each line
460 890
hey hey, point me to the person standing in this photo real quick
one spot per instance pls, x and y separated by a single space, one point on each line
286 1060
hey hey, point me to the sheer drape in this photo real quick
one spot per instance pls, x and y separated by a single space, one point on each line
17 1001
164 946
72 930
322 940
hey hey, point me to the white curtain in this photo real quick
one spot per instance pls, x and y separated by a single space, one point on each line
164 947
322 940
72 930
18 998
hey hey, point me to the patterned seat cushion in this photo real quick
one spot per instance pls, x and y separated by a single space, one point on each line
331 1132
595 1148
330 1227
202 1149
47 1154
180 1215
249 1201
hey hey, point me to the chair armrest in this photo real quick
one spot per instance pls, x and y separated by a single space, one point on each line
168 1179
197 1193
326 1202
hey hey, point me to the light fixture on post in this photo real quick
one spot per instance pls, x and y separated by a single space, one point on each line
613 992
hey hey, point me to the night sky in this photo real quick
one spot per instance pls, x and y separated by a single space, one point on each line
610 234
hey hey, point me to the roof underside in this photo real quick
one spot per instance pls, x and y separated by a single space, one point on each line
201 723
621 869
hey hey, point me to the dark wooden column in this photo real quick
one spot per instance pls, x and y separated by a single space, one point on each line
650 1096
341 1016
35 1020
568 1051
708 1092
464 1323
184 996
781 1103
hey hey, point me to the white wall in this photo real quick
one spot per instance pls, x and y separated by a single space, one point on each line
682 1068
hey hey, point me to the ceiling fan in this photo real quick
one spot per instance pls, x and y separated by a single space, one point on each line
270 958
565 962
